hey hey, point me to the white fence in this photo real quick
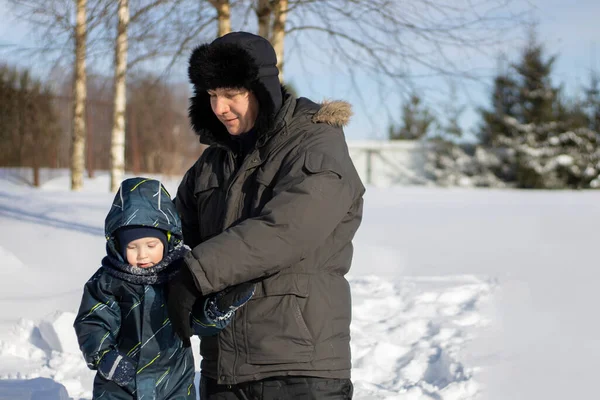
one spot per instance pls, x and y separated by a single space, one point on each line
379 163
387 163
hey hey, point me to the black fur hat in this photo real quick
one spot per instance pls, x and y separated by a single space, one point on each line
235 60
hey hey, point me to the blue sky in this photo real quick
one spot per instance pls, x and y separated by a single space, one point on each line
568 29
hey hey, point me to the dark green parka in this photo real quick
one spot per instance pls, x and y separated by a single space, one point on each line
284 216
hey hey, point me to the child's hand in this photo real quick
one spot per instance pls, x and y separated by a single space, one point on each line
225 302
117 367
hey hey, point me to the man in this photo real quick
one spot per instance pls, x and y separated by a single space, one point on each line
276 200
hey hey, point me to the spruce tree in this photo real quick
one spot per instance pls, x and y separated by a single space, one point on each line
592 102
417 121
450 128
504 104
536 97
546 136
555 149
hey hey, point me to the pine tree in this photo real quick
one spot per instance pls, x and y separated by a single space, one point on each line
536 96
546 135
504 104
555 148
417 121
453 110
592 102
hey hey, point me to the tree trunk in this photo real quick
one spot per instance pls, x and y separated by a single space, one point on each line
90 143
263 13
135 147
278 33
223 16
117 150
36 170
79 99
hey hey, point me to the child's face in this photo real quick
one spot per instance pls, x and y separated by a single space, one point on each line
145 252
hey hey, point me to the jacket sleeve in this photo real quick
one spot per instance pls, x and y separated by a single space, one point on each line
308 203
186 207
98 321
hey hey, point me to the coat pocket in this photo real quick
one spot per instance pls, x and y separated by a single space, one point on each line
204 183
209 201
276 331
263 192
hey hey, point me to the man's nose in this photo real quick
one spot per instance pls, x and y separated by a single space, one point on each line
221 106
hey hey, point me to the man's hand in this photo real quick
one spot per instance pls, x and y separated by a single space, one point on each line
181 296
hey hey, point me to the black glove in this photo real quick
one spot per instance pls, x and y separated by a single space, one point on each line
117 367
181 296
224 303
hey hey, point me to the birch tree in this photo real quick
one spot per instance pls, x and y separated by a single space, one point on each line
65 29
117 148
223 16
157 29
161 30
390 42
263 14
280 10
79 99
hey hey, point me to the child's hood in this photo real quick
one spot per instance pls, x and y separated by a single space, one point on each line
144 202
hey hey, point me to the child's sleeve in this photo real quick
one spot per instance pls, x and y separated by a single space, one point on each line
202 323
99 319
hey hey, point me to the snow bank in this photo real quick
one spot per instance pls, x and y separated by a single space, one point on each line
47 349
407 336
406 340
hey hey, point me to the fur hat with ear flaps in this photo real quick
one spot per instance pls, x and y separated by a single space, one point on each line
235 60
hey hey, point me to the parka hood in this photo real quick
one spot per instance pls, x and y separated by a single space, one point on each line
142 202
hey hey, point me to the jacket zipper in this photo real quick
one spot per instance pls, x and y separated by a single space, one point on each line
239 207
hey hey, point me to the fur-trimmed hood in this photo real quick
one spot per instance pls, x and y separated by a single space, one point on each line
333 112
336 113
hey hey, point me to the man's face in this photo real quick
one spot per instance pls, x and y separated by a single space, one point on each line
236 108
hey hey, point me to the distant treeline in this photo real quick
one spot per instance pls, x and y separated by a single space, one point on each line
36 124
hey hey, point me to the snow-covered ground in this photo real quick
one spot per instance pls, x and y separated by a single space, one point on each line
457 294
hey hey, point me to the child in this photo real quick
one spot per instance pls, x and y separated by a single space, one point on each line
122 326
